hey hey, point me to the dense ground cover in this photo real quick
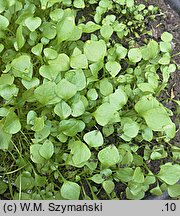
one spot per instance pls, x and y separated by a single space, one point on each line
80 101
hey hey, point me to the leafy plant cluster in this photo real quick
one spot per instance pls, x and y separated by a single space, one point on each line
78 101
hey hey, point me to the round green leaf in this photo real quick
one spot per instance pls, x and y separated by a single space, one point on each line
131 129
106 88
79 3
130 3
76 77
147 103
108 186
48 72
96 67
174 190
4 111
48 32
38 124
9 91
147 134
106 31
61 63
165 60
92 94
172 68
4 22
104 114
95 50
6 79
65 28
22 67
50 53
57 14
40 180
78 108
138 175
169 173
135 55
121 51
1 47
43 134
76 34
146 87
62 137
109 156
150 51
165 46
156 156
94 138
70 190
30 117
137 196
79 61
108 130
65 89
113 68
166 37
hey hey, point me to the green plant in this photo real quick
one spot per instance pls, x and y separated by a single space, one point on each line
79 101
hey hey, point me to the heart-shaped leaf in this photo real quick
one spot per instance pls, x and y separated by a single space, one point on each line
62 109
65 89
45 93
113 67
12 124
70 190
35 155
33 23
31 84
135 55
47 149
80 153
94 138
4 22
95 50
169 173
109 156
71 127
